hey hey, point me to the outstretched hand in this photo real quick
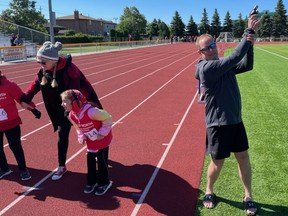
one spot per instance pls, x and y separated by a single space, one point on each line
253 22
35 112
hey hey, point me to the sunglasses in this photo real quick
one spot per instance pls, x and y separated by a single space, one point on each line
211 46
41 62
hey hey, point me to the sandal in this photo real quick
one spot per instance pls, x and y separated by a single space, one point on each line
250 207
209 198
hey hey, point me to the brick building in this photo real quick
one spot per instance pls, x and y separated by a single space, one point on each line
85 24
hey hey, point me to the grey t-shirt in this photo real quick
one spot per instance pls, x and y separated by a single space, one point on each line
222 95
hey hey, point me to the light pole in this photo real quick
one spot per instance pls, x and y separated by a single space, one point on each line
51 17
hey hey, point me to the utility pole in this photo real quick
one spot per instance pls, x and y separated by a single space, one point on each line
52 21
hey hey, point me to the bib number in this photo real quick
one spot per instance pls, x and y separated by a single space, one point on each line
3 114
92 134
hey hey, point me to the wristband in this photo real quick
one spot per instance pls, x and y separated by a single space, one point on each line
249 31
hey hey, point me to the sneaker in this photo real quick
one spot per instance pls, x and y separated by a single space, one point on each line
5 173
25 175
59 173
89 188
103 189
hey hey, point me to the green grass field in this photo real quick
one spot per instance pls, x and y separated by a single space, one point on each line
265 114
100 47
87 49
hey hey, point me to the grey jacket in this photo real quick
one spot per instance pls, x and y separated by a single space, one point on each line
222 95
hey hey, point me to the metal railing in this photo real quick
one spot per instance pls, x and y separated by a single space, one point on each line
84 48
29 35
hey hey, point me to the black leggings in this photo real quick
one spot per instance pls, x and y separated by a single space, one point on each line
63 140
14 139
98 170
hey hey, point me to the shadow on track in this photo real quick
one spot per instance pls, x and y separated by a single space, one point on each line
169 194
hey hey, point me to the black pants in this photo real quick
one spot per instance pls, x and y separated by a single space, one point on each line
97 165
63 140
14 139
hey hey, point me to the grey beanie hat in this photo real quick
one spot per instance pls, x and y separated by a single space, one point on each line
50 50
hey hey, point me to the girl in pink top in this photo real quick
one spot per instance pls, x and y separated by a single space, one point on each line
93 126
10 126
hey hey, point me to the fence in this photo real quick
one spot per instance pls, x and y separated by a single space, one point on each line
84 48
27 34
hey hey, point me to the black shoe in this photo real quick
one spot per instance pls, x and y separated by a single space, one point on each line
4 173
25 175
89 188
103 189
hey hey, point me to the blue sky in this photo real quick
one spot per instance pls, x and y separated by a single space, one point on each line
159 9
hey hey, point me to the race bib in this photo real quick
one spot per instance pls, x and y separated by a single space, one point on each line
92 135
3 115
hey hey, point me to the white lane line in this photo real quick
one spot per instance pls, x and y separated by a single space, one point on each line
32 132
113 92
147 75
77 153
79 65
160 163
112 68
34 187
272 53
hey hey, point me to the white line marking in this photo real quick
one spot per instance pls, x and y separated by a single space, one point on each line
113 92
155 71
108 69
78 64
272 53
24 137
160 163
107 95
77 153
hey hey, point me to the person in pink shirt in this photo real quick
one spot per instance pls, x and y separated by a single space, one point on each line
93 126
10 126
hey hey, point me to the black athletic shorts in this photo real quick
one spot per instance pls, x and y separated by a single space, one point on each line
222 140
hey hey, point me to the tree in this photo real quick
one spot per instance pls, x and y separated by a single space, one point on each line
215 24
132 22
239 27
163 29
279 20
228 23
192 27
158 28
153 28
24 13
204 26
177 25
265 25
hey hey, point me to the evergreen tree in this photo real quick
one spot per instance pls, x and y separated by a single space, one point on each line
177 25
239 27
204 26
215 24
228 23
265 25
163 29
192 27
153 28
24 13
279 20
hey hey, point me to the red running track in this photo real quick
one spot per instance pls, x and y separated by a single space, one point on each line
157 155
